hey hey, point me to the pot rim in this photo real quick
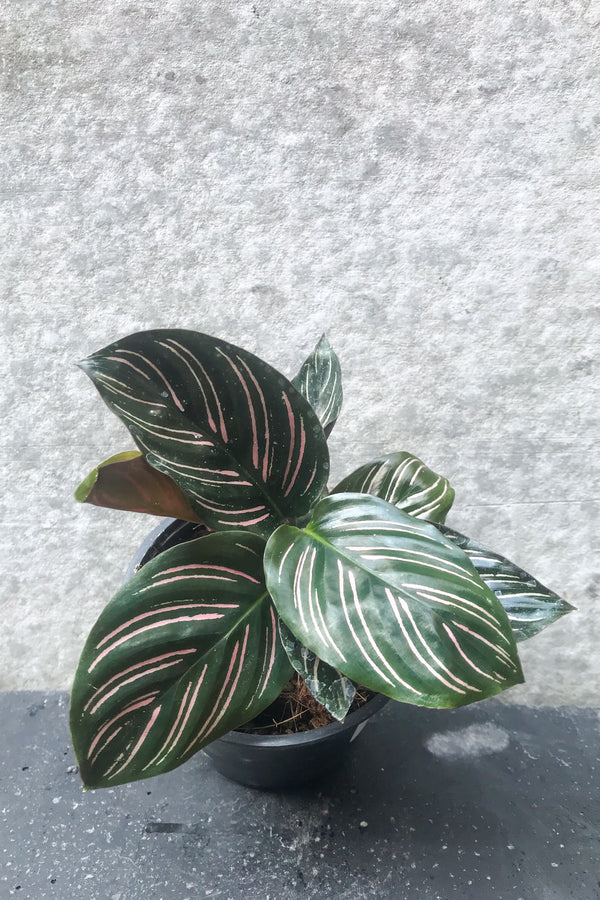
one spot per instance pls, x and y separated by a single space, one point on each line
314 736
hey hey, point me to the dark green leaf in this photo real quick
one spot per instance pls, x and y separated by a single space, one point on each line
327 685
126 481
187 650
529 605
405 481
243 445
391 603
320 381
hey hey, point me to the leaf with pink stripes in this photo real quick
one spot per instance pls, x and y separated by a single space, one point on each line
242 443
391 603
186 651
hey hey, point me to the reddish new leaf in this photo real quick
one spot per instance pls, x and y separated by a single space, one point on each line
126 481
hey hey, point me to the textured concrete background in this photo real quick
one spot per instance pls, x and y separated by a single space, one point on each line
420 180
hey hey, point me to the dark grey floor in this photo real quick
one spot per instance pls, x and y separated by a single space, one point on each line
487 801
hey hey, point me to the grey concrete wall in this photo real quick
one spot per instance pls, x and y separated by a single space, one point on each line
420 180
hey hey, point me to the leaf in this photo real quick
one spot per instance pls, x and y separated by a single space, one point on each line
126 481
187 650
320 381
405 481
327 685
242 444
529 605
391 603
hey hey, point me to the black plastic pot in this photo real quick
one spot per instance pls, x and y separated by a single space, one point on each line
289 760
168 533
266 761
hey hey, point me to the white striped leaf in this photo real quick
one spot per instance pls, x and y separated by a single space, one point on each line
187 650
244 446
320 381
405 481
529 605
391 603
126 481
327 685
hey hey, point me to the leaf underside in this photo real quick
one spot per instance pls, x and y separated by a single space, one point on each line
126 481
320 381
405 481
529 605
327 685
187 650
392 604
235 435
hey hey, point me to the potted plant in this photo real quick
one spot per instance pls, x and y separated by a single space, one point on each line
361 585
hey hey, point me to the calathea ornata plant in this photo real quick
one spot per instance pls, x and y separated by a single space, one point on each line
358 585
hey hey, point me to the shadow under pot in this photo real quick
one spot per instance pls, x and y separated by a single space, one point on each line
270 762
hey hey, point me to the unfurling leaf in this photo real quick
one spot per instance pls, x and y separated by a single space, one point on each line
187 650
320 381
244 446
327 685
126 481
529 605
391 603
405 481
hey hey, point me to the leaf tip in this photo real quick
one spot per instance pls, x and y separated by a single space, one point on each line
87 365
83 490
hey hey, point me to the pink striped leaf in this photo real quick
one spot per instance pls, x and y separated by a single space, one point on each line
241 442
391 603
187 650
126 481
405 481
320 381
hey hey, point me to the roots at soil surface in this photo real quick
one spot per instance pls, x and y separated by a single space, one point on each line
296 710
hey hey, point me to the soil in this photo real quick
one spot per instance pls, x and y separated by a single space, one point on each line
297 710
